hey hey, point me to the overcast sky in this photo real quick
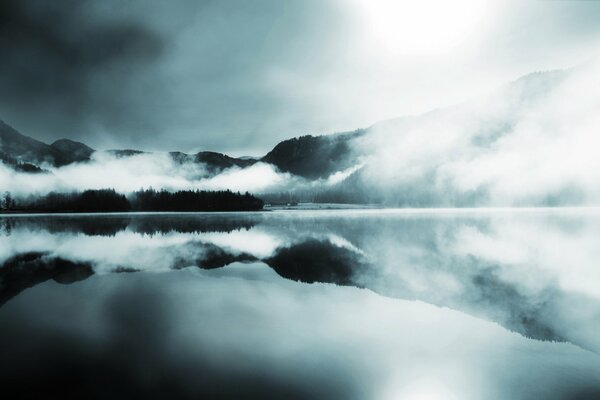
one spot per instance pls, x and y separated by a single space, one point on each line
240 75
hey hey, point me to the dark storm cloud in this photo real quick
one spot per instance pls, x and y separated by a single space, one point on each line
138 73
55 56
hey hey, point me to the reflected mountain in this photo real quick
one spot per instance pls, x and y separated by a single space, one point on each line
422 259
29 269
211 257
317 261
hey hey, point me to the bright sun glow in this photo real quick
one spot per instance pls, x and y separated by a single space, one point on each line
420 26
425 388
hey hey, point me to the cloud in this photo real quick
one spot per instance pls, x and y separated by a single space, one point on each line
340 176
70 64
529 143
256 178
190 73
256 242
156 170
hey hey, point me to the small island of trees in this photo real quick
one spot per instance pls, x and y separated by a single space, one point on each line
108 200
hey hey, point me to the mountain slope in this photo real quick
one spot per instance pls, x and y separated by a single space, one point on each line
218 162
528 143
315 157
26 149
76 151
310 157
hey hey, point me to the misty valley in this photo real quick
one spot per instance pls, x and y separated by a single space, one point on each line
300 200
332 304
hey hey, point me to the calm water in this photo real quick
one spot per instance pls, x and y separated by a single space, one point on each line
302 305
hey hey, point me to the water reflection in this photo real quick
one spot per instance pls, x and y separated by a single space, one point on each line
534 274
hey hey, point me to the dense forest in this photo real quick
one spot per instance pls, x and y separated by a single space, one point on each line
189 200
108 200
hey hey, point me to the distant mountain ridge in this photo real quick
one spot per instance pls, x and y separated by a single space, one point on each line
307 156
26 149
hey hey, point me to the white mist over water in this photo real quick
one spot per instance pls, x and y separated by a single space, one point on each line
158 171
531 143
128 174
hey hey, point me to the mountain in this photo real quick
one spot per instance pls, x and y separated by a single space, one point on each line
120 153
308 156
26 154
315 157
26 149
217 162
21 149
76 151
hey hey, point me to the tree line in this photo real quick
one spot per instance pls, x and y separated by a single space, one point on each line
108 200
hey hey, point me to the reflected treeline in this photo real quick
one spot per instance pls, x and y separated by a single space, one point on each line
154 224
110 225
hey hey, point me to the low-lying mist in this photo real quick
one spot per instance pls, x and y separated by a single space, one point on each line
531 143
146 170
127 174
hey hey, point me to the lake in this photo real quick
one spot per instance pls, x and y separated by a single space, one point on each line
324 304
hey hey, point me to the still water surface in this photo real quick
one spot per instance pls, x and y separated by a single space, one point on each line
356 304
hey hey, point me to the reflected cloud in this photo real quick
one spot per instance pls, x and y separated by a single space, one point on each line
255 242
533 274
196 334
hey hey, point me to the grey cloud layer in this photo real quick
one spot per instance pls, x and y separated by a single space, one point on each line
239 76
118 74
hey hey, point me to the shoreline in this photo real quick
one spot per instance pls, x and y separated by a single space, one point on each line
332 208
